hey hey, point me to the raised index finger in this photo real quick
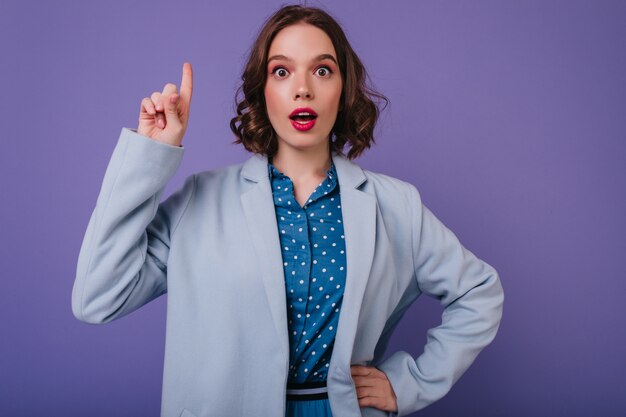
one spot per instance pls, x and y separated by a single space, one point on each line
186 85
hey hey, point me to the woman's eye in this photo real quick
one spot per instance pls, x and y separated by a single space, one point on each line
323 71
280 72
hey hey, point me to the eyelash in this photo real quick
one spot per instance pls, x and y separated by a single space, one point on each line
326 67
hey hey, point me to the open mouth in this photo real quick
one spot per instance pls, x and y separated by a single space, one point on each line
303 118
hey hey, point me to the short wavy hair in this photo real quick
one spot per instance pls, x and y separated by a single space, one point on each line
358 113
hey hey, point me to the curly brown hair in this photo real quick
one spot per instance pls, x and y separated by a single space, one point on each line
357 115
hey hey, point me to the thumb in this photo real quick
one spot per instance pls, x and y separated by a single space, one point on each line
171 110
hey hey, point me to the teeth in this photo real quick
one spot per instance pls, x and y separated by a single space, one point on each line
303 114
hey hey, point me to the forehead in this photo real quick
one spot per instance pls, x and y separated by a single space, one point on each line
301 41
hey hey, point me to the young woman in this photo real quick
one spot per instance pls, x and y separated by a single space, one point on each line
285 274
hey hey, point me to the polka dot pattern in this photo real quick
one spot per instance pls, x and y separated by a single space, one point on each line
314 263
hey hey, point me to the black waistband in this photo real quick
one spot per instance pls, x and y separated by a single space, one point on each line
305 385
307 391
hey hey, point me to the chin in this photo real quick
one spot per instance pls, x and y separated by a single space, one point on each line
303 140
305 143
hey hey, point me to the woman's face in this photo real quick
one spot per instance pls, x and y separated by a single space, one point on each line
302 73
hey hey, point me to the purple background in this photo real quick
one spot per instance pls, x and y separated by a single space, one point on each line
509 117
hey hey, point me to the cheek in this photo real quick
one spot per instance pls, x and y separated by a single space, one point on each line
272 102
336 95
333 100
339 92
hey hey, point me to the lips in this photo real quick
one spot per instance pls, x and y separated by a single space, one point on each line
303 114
303 118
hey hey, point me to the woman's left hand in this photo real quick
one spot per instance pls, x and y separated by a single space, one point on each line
373 388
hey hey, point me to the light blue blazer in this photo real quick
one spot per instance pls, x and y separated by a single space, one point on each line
213 247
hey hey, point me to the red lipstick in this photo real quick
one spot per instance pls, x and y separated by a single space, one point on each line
303 118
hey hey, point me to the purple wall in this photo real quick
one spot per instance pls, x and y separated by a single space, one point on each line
508 116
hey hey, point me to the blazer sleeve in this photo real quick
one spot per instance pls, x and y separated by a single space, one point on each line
122 263
471 293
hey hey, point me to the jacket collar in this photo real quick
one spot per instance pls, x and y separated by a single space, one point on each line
349 174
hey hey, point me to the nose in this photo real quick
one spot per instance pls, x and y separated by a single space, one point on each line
303 88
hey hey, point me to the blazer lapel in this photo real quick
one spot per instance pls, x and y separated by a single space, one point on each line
258 206
359 221
358 209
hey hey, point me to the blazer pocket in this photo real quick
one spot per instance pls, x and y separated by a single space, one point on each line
187 413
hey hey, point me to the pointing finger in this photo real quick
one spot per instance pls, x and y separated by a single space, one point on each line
186 85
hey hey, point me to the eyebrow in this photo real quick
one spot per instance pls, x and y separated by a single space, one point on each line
316 59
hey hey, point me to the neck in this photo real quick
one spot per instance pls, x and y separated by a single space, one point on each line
300 165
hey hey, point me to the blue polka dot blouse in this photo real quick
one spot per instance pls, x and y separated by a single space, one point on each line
314 263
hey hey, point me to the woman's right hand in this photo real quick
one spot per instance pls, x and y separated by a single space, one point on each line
163 116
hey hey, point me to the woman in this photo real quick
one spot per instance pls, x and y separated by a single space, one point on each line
286 274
